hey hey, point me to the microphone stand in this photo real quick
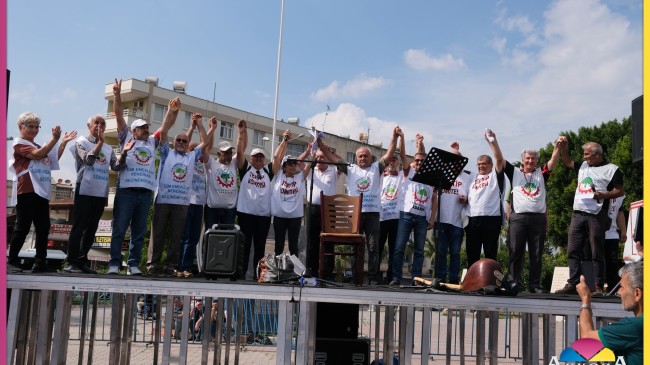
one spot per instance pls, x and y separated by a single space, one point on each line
308 268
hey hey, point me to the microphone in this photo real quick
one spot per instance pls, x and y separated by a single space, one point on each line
593 189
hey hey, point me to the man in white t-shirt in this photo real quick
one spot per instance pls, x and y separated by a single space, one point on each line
450 230
172 199
364 177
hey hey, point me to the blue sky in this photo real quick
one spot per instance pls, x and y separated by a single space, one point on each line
446 69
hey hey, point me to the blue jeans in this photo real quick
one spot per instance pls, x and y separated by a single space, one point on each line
191 236
418 224
131 207
450 239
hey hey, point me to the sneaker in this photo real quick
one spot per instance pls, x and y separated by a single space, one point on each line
538 290
179 273
393 283
568 289
72 269
85 268
113 270
134 271
40 266
13 268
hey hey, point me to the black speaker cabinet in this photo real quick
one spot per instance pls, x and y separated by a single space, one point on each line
637 129
222 249
334 351
337 320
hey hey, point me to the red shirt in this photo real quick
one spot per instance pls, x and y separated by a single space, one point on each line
21 163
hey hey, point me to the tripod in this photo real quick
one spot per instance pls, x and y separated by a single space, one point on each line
310 245
439 169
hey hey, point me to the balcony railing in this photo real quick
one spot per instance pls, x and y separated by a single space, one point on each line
137 113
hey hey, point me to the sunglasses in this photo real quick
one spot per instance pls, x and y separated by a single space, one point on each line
181 140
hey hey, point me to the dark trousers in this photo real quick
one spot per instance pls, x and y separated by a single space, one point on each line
86 214
313 245
370 227
526 228
214 216
482 232
612 261
31 208
283 227
388 231
255 228
587 229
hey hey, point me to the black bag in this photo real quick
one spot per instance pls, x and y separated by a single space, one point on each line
222 252
274 269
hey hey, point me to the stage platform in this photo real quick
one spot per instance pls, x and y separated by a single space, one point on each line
45 299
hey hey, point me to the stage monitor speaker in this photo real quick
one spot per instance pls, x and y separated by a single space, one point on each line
337 320
339 352
637 129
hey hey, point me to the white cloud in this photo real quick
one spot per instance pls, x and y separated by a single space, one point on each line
356 88
499 44
23 97
420 60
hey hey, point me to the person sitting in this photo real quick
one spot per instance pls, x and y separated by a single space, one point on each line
625 337
196 320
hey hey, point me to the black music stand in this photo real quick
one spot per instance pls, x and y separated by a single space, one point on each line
439 169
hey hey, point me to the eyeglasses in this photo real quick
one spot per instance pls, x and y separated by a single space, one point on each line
483 164
418 161
181 140
29 126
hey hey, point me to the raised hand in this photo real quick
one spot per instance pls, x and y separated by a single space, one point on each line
455 145
128 146
241 125
175 104
419 138
56 133
117 87
212 122
67 137
196 117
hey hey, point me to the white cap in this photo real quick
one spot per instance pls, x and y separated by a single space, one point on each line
225 146
257 151
286 158
138 123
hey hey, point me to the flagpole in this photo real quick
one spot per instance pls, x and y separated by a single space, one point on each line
277 82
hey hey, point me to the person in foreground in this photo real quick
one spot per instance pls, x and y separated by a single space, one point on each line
624 337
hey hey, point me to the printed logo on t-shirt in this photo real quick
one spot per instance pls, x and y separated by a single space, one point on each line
390 192
420 194
529 188
481 182
179 172
101 158
199 167
224 178
363 184
584 187
46 160
142 155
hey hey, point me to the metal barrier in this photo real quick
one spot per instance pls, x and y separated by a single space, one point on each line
43 326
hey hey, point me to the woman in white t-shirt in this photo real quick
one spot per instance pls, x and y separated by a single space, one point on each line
287 205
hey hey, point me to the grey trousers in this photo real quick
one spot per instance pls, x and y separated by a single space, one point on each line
166 216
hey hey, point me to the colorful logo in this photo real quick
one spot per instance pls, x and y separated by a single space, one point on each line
179 172
199 167
225 178
530 188
584 186
46 160
101 158
420 194
390 192
587 350
363 184
142 155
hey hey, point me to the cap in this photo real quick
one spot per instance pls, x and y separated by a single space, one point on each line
138 123
286 158
225 146
257 151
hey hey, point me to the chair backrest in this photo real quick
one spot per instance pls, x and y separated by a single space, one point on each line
340 213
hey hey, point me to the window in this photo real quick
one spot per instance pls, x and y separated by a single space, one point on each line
186 117
258 138
351 157
226 130
159 112
296 149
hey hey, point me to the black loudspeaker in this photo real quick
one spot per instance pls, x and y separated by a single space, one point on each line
341 352
337 320
222 251
637 129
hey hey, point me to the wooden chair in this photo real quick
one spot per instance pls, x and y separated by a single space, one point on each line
340 225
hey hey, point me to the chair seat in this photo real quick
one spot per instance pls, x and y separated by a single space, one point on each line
347 236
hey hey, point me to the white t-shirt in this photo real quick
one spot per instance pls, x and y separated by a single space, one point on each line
614 207
368 182
450 206
417 197
287 198
391 197
324 181
222 183
484 196
255 191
